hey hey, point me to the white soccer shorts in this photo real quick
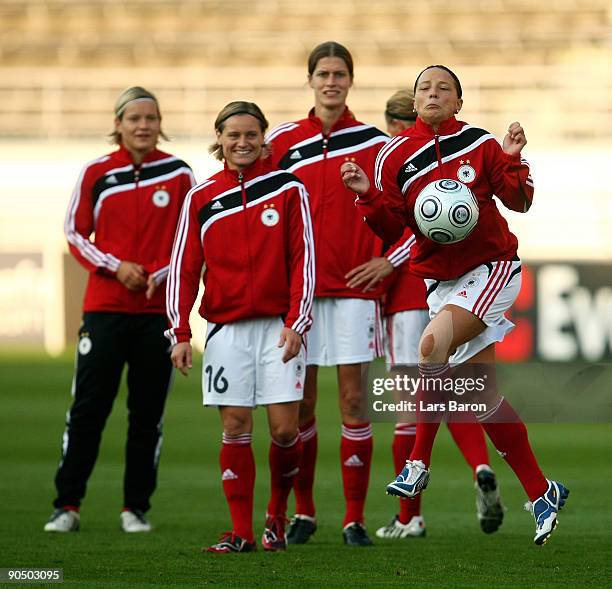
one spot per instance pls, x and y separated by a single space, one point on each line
402 334
243 365
344 331
487 291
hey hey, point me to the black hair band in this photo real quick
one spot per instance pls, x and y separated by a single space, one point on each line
238 112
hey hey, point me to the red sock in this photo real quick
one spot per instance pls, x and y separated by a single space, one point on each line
403 441
428 422
284 466
238 476
303 483
356 446
469 437
509 435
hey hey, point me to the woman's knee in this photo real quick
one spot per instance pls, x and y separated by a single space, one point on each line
437 340
352 403
236 422
431 350
284 434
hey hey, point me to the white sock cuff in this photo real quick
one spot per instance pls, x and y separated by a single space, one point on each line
357 433
405 429
288 444
237 440
309 433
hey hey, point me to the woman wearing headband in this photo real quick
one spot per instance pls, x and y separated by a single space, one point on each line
249 227
470 284
120 226
406 315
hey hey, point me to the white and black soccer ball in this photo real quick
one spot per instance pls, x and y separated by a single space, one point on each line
446 211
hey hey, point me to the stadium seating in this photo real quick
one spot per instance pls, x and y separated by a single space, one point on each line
64 61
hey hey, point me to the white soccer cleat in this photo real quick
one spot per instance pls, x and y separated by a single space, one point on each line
63 520
134 521
415 528
489 508
545 509
411 481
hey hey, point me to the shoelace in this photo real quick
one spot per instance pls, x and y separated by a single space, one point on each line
414 471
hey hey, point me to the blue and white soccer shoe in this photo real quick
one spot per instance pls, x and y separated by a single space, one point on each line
411 481
545 509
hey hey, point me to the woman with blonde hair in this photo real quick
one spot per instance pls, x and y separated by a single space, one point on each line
130 200
249 226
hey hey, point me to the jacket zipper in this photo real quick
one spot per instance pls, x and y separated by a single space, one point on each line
137 194
438 155
248 238
323 176
325 142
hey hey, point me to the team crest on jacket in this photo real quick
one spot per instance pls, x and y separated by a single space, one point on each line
269 216
161 198
466 173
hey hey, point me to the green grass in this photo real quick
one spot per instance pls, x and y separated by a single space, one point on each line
189 510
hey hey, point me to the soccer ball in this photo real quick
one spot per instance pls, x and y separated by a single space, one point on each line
446 211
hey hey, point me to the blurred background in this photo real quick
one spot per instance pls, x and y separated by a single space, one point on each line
547 65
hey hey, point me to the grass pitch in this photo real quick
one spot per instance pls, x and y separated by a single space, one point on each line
189 510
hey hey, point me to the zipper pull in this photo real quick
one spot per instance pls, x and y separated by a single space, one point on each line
242 189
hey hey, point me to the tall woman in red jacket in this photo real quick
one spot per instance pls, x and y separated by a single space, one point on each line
470 284
131 200
249 227
346 331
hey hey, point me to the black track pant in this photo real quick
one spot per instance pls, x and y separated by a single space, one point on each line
108 341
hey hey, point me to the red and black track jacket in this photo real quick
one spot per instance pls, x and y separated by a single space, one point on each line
419 156
133 211
252 231
342 240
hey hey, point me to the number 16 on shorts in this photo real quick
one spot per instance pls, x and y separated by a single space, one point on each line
214 380
243 365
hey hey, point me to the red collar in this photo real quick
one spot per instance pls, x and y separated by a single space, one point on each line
447 127
347 119
125 157
257 168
